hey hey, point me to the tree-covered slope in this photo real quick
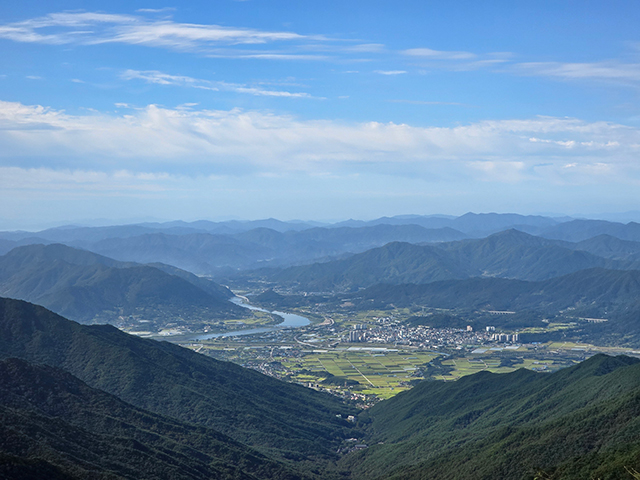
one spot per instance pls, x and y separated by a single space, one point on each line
395 262
596 290
514 254
273 416
508 254
55 422
81 285
580 422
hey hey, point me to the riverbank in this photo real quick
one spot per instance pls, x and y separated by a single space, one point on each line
289 320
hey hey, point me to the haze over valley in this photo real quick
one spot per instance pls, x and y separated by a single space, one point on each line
269 239
507 305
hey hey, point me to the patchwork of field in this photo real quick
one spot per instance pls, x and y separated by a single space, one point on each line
382 373
385 370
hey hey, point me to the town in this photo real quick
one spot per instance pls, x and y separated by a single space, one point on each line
365 357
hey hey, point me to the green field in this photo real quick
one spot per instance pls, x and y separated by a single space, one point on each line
384 372
379 373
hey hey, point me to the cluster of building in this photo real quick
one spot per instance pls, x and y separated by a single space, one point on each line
417 336
505 338
423 336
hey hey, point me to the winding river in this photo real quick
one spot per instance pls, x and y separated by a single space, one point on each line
290 320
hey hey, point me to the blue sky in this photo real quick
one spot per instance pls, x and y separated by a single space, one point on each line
316 110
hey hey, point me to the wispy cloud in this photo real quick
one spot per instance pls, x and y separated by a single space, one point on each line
203 142
262 55
455 60
156 10
423 102
438 54
390 72
160 78
367 48
611 71
87 28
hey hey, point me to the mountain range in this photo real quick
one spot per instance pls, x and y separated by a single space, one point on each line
221 249
508 254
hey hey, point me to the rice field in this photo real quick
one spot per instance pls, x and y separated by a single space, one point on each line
380 373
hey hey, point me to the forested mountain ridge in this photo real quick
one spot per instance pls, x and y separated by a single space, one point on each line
600 289
278 418
210 253
53 424
81 285
508 254
580 422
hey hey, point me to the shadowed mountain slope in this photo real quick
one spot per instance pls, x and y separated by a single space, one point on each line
273 416
51 417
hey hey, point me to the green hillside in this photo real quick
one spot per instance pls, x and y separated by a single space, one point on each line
278 418
596 290
394 263
508 254
580 422
81 285
54 424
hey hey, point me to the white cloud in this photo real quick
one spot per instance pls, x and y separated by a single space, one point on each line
425 102
266 55
215 41
455 60
438 54
615 71
156 10
194 142
366 48
390 72
160 78
86 28
79 181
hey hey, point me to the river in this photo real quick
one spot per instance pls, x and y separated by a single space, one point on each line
290 320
